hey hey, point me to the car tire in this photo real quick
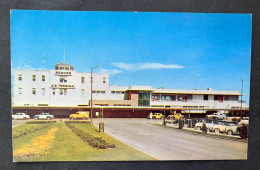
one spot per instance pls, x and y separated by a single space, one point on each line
217 130
230 132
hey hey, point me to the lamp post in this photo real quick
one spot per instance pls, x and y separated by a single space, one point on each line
91 81
241 98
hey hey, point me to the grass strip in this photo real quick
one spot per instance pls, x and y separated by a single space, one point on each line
67 146
32 127
95 142
39 146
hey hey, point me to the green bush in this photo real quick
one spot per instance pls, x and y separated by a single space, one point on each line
41 122
243 131
95 142
180 121
204 128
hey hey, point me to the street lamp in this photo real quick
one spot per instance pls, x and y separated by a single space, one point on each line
241 97
91 81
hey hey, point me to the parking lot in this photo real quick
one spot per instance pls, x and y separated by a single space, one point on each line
168 143
172 144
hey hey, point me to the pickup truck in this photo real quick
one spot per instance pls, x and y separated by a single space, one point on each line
43 116
20 116
80 115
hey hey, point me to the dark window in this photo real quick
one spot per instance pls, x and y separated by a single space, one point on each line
82 79
33 90
20 77
43 77
33 77
206 97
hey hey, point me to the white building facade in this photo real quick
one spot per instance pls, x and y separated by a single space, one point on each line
65 87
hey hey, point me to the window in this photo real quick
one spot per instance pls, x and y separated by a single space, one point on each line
155 97
65 91
67 68
206 97
218 98
20 90
100 91
43 91
53 91
82 92
33 90
104 79
33 77
61 91
82 79
63 79
113 92
20 78
43 77
61 68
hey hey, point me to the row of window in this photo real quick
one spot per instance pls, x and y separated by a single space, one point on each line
186 98
62 78
83 80
20 77
63 68
117 92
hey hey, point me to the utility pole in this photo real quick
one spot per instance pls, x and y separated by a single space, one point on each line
241 98
91 82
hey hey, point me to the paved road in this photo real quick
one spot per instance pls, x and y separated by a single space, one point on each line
18 122
172 144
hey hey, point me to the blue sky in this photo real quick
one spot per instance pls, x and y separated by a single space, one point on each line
172 50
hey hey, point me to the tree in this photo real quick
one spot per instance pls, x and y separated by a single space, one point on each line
204 127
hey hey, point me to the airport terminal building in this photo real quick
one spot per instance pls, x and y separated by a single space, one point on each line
63 91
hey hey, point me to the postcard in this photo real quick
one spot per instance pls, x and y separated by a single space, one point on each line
129 86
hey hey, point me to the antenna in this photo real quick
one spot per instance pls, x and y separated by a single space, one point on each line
43 61
64 57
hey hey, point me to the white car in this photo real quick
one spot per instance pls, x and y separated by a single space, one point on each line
216 116
199 124
20 116
43 116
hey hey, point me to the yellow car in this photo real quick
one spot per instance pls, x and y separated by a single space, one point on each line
155 116
80 115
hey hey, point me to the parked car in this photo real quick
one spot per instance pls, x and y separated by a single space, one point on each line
43 116
175 116
219 126
216 116
245 120
199 124
155 116
231 128
20 116
80 115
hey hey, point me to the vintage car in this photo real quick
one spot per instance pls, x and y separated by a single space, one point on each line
219 126
20 116
209 124
80 115
43 116
216 116
231 128
155 116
